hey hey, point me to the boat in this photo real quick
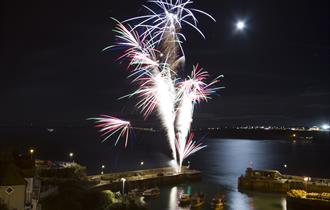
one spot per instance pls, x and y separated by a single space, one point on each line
151 193
197 201
184 200
135 192
217 203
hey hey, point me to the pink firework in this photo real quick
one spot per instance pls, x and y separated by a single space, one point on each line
196 85
190 146
110 126
142 57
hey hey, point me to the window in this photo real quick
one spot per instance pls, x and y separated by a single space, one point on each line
9 190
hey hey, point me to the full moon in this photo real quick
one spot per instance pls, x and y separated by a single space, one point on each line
240 25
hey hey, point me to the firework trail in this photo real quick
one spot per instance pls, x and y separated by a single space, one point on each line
110 126
183 122
158 91
166 107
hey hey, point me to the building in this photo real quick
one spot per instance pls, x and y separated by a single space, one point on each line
12 187
19 189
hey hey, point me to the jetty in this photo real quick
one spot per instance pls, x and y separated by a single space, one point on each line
275 182
142 179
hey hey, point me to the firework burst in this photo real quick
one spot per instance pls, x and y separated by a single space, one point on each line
110 126
153 48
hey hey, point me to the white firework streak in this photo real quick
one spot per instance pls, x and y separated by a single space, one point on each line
158 91
183 122
166 109
191 91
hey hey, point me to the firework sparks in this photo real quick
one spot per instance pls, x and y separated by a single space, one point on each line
171 16
155 85
191 91
110 126
196 87
142 57
190 147
158 91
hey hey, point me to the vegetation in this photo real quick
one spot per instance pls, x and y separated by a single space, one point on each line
73 175
70 196
73 197
73 172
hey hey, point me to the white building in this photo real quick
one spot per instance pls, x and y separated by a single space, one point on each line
12 187
17 188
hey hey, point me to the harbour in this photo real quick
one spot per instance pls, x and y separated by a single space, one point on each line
222 162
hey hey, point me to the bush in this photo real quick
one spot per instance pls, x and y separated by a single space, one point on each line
70 197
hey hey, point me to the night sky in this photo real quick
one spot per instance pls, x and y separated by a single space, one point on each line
276 72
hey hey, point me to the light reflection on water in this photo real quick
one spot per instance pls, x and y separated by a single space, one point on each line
283 202
239 201
225 160
234 199
175 193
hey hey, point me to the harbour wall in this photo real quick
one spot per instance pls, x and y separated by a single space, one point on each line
275 182
142 179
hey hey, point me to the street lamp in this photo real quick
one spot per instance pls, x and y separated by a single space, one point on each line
103 167
71 156
306 180
31 153
285 166
141 163
123 180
